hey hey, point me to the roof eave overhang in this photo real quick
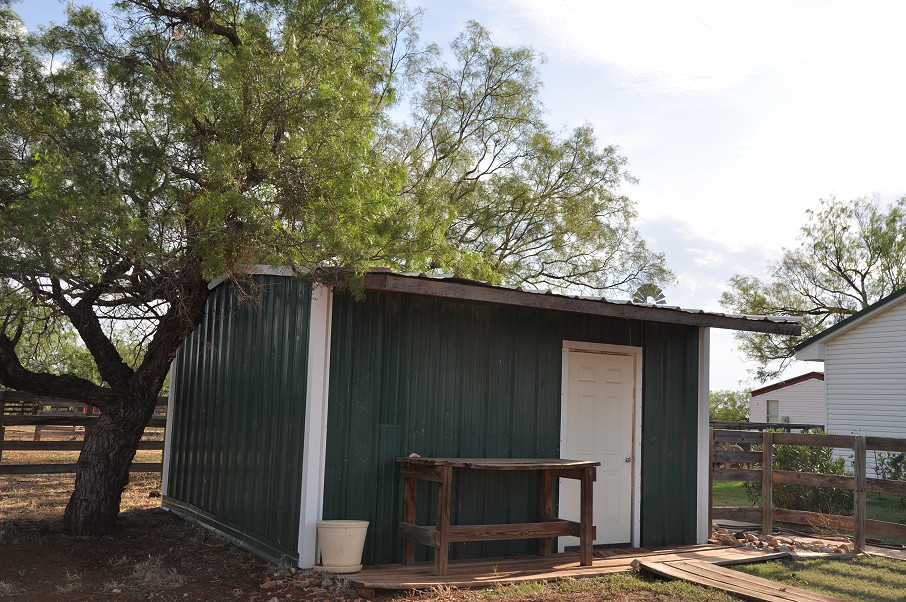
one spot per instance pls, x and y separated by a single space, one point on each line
811 353
503 296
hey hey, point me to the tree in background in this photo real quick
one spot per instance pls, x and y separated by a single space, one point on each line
730 406
507 199
851 255
138 163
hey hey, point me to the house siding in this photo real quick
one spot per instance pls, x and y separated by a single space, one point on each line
238 416
865 375
451 378
802 402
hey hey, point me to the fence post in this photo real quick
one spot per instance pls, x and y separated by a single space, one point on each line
859 497
710 480
767 482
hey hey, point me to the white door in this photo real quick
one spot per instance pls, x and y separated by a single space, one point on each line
599 425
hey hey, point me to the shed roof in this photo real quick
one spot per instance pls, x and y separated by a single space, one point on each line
813 347
787 383
454 287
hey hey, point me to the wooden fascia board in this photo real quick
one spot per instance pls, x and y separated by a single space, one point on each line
486 294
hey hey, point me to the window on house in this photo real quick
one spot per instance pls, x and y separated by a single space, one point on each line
773 410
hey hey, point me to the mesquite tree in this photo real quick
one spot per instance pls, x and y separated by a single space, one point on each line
146 153
851 254
510 200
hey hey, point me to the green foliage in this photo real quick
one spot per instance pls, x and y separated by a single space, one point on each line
813 459
851 254
892 466
730 406
507 199
172 142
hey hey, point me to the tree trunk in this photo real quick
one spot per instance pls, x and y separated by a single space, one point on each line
103 470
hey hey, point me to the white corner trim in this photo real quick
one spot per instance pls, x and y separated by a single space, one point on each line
704 437
636 426
314 447
168 431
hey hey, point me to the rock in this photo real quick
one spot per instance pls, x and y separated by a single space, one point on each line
117 591
751 537
326 583
740 535
782 549
269 585
825 550
773 542
274 599
761 545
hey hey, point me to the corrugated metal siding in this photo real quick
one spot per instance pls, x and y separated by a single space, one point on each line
445 378
669 434
239 415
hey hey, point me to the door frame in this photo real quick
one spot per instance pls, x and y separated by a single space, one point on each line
636 352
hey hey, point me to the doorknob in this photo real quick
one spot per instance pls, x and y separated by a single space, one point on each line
629 458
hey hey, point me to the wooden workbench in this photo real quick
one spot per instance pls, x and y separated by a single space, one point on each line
439 536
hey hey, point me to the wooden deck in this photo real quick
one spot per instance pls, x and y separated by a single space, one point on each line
487 572
747 587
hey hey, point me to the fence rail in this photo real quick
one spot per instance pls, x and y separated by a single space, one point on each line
61 416
735 465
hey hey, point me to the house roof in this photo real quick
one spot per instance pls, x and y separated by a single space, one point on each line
453 287
788 383
813 347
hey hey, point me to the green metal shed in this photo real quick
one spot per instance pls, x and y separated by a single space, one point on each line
290 404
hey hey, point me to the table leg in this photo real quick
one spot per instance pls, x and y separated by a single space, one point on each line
410 496
443 520
586 528
546 507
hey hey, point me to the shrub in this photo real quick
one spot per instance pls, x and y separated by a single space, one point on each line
892 466
805 458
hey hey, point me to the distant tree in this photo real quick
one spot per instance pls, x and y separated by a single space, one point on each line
507 199
851 255
730 406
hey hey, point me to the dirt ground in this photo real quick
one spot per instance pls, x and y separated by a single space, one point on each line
151 554
154 555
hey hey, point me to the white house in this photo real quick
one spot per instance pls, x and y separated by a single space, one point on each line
864 360
797 400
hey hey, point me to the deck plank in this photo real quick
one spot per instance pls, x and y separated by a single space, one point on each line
748 587
484 572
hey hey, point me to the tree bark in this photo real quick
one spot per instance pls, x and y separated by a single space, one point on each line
103 468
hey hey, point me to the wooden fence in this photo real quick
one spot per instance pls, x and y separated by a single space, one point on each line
763 426
54 415
730 465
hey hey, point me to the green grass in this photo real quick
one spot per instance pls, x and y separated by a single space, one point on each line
886 507
878 579
731 493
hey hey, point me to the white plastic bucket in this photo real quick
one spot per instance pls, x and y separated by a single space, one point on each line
341 543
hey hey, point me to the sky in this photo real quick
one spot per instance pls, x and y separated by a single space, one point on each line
735 118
